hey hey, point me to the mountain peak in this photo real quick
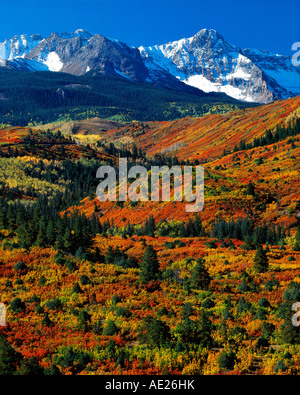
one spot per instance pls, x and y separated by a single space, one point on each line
208 62
205 61
207 32
208 37
18 46
83 33
78 33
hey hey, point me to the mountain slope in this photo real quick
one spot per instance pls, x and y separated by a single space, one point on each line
207 137
19 46
226 175
278 67
73 286
205 61
208 62
77 54
44 97
81 52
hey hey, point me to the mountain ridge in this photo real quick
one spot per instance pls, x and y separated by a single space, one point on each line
205 61
209 62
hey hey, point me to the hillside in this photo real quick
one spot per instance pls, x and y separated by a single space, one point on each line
145 288
272 168
43 97
205 138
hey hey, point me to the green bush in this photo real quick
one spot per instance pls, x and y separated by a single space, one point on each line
17 306
53 304
123 312
84 280
20 267
208 303
110 329
227 360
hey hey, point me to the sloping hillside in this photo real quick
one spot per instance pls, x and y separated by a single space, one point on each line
273 169
204 138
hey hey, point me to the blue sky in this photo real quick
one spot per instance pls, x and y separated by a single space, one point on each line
265 24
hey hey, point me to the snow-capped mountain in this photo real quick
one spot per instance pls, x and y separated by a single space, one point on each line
19 46
205 61
211 64
81 52
278 67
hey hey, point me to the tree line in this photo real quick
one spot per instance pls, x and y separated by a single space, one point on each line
280 133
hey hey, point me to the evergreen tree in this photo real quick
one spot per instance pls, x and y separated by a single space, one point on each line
154 332
9 358
149 265
110 329
227 360
109 255
196 332
67 243
150 227
30 368
46 320
261 261
200 278
187 310
288 333
84 320
53 371
50 233
297 240
182 232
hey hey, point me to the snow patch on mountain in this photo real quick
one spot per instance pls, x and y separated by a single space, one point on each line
289 79
278 67
18 46
53 62
21 64
207 62
202 83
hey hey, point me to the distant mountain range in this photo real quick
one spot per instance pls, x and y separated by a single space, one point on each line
205 61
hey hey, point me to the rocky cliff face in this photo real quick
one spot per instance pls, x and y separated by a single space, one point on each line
19 46
205 61
278 67
208 62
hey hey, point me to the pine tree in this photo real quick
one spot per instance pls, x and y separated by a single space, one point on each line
84 320
250 189
50 233
46 320
149 265
154 332
182 232
261 261
41 240
190 231
297 240
109 255
110 329
30 368
200 278
68 240
9 358
150 226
